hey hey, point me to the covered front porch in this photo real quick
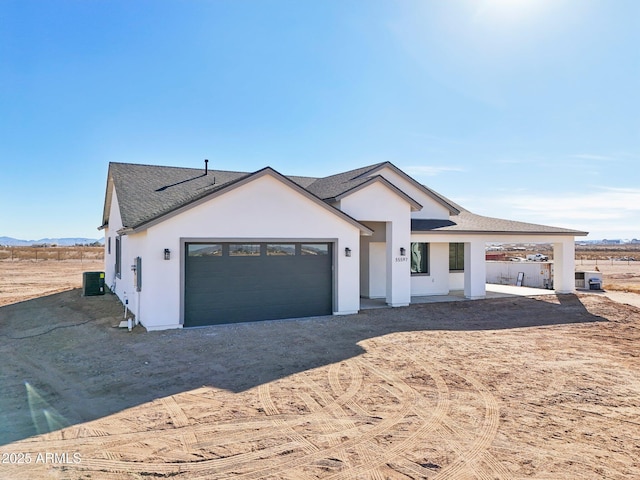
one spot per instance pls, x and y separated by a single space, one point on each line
458 263
434 266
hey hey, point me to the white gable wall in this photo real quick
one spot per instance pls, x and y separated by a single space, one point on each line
263 209
430 207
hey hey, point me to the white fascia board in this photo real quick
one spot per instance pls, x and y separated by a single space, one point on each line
415 206
107 202
452 209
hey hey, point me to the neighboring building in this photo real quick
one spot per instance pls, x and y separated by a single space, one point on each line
189 247
524 274
495 257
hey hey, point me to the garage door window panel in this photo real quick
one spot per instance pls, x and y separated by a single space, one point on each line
315 249
204 250
244 250
281 249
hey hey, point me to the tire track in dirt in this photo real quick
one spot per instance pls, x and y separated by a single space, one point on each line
489 429
336 407
284 427
351 442
188 438
377 457
176 413
406 405
172 468
253 428
333 405
326 424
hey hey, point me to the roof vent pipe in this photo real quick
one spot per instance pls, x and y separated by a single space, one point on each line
206 166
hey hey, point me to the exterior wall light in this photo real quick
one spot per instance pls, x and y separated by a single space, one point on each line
347 252
403 252
167 254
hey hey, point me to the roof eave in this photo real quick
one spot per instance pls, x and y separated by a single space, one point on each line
108 196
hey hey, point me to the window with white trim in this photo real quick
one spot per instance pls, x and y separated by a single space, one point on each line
456 257
419 258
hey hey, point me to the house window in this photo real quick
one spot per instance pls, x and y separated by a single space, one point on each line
109 245
456 257
118 257
419 259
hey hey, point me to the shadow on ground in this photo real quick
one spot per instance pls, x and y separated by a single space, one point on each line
64 362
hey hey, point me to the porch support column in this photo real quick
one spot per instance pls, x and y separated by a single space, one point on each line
564 265
475 270
398 234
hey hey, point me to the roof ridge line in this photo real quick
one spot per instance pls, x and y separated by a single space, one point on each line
175 167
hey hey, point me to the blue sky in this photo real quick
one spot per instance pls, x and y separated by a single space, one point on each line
520 109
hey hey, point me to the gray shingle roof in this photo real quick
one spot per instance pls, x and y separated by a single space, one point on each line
333 186
304 182
147 192
467 222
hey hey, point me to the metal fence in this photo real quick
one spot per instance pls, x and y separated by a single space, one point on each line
59 254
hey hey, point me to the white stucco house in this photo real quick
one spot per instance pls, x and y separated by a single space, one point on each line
190 247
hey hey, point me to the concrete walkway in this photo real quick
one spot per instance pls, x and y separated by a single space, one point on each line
496 291
493 291
622 297
502 291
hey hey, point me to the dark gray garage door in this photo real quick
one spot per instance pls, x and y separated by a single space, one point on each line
244 282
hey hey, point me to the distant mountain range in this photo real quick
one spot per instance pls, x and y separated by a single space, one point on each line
16 242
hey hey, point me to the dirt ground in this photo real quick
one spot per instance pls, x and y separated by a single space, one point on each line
24 280
542 387
619 276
